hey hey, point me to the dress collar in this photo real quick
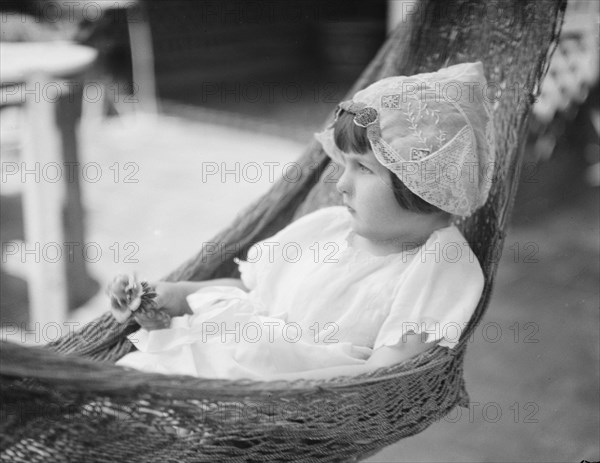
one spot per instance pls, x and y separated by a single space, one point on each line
349 247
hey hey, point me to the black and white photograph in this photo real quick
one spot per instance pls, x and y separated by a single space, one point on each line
299 231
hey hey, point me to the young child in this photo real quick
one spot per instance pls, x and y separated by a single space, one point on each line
348 289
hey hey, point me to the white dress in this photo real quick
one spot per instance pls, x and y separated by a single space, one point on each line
316 301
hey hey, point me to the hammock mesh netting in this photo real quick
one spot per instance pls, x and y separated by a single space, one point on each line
68 402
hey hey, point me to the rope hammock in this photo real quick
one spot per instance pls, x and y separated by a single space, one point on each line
68 402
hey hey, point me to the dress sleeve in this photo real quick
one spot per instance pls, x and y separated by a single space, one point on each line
256 261
302 232
248 271
437 297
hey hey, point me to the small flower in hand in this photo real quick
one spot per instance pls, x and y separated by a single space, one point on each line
125 294
129 297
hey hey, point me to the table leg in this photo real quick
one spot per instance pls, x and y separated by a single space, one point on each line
43 199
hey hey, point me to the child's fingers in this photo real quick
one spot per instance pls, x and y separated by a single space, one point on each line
164 294
153 319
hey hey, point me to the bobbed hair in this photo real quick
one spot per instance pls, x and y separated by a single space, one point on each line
349 137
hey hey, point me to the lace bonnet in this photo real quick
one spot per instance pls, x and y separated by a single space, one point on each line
434 131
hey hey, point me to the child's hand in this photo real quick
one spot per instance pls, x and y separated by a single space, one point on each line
152 319
171 298
151 304
128 297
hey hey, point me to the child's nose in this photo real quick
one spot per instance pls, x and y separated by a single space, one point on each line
343 184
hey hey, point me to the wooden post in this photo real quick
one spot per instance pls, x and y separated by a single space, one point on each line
43 198
142 60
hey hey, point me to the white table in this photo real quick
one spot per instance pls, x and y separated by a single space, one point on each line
45 79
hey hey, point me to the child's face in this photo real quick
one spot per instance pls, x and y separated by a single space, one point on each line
366 189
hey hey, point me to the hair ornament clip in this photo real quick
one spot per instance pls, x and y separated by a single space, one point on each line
366 117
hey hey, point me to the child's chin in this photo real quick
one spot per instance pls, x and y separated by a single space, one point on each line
358 228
